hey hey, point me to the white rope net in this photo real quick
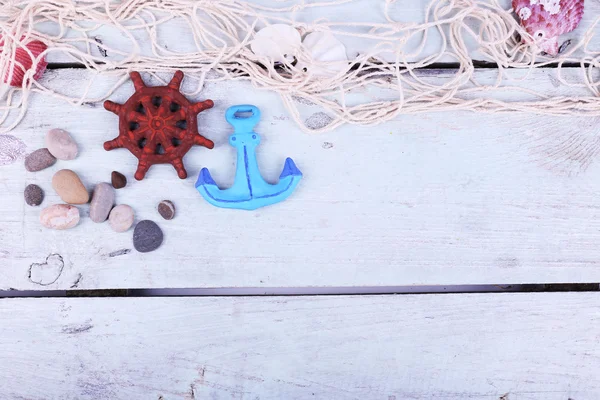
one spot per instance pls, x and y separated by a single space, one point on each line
222 30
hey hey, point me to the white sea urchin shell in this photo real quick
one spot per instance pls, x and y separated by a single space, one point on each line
279 42
327 54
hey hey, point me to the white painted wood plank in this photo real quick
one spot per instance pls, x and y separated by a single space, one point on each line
433 199
510 347
176 35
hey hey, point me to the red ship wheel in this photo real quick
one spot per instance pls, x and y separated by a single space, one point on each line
158 125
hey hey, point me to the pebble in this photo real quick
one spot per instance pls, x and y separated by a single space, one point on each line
118 180
59 216
69 187
34 195
147 236
39 160
166 209
103 199
121 218
61 145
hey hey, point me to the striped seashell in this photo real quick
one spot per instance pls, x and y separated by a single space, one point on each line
23 62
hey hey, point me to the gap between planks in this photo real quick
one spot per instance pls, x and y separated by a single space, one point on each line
303 291
477 64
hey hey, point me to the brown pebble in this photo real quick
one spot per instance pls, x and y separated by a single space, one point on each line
34 195
69 187
118 180
39 160
166 209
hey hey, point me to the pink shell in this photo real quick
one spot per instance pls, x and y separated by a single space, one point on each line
24 62
536 15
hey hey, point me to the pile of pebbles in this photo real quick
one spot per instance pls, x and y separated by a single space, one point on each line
147 235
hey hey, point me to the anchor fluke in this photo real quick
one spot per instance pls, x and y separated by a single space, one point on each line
204 178
290 169
249 190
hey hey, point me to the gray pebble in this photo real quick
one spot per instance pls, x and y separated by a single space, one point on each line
39 160
147 236
34 195
103 199
166 209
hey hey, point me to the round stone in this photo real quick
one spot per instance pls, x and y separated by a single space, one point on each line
103 199
121 218
59 216
118 180
147 236
61 145
166 209
69 187
34 195
39 160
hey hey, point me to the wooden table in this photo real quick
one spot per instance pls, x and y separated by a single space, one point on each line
439 202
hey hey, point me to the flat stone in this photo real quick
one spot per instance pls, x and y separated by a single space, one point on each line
118 180
59 216
121 218
69 187
61 145
103 199
147 236
34 195
166 209
39 160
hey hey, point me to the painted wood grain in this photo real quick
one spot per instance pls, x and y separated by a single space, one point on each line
176 35
433 199
493 347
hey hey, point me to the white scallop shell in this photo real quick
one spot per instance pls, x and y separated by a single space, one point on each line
279 42
327 53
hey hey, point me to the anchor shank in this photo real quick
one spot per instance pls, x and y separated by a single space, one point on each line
246 170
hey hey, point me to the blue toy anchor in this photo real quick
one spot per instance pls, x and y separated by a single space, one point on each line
249 190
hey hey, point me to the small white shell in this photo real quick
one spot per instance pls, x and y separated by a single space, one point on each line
328 54
279 42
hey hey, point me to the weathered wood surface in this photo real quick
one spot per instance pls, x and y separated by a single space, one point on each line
500 347
433 199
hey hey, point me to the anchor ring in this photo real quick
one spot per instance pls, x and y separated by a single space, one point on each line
243 124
